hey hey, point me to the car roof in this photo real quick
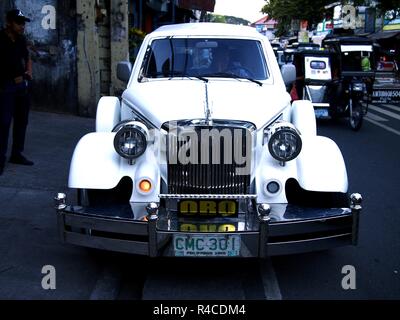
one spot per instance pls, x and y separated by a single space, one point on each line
347 40
313 52
308 44
207 29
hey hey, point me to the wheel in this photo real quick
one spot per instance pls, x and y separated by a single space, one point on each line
365 108
356 115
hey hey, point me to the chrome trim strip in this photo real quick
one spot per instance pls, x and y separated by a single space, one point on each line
207 196
239 124
132 123
138 115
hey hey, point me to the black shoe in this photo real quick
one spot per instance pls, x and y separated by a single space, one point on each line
1 169
20 159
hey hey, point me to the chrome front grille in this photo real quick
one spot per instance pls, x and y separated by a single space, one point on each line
221 178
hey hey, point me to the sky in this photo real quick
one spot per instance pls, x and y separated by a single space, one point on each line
246 9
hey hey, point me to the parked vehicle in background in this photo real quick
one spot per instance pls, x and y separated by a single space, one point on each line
276 46
280 56
288 55
206 156
308 46
386 66
353 76
314 74
387 81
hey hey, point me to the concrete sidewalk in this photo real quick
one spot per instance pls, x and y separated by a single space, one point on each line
28 230
50 142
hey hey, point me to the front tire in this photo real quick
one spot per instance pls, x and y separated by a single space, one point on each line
356 115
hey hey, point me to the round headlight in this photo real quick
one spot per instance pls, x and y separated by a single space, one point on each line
130 141
284 142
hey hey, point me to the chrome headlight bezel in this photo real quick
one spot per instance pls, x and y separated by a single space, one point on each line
130 130
284 135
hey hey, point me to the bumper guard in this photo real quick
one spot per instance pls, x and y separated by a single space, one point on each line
266 231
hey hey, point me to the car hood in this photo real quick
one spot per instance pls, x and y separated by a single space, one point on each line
163 100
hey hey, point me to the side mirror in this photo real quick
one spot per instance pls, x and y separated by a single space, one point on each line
124 69
288 73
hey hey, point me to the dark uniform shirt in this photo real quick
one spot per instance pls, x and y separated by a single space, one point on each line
13 57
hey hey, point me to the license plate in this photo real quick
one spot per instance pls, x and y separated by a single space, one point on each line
321 113
387 94
208 208
208 227
207 245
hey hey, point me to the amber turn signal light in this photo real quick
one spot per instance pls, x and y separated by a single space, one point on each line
145 185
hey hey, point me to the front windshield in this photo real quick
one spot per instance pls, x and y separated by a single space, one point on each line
357 61
201 57
357 58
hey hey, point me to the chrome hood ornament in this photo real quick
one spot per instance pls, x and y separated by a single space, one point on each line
207 110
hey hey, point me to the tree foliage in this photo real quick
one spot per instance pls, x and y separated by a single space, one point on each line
284 11
287 10
387 5
210 17
216 18
382 5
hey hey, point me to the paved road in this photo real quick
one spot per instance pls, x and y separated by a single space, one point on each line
372 158
28 237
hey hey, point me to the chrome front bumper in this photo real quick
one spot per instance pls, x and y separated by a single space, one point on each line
266 231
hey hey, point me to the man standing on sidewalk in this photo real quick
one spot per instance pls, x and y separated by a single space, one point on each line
15 74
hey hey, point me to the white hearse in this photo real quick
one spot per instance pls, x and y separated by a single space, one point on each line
206 156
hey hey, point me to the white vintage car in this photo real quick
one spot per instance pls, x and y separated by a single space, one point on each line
206 156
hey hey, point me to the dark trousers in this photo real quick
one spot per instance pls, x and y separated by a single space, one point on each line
14 105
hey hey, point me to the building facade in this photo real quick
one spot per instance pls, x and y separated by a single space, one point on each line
76 45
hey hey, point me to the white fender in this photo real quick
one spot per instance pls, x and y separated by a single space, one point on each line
146 168
320 166
96 165
108 114
303 117
269 169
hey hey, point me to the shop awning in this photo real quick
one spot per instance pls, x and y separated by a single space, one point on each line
204 5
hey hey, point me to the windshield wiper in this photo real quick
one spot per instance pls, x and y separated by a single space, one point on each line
175 74
183 74
233 76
